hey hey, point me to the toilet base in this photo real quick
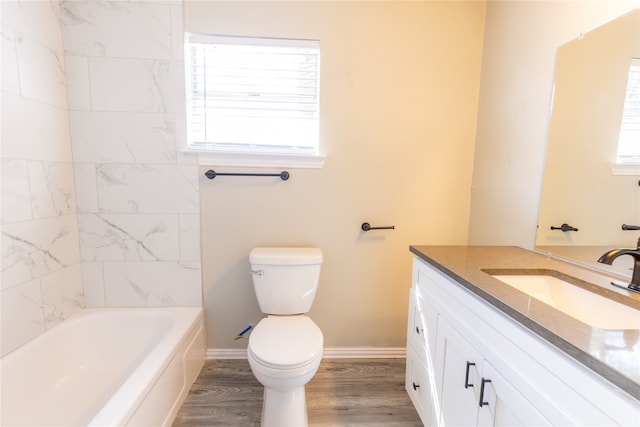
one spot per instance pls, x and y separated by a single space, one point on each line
284 408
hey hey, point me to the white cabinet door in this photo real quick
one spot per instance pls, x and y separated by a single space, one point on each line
472 391
418 384
421 331
501 404
458 377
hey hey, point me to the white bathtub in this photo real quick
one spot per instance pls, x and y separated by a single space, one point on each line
105 367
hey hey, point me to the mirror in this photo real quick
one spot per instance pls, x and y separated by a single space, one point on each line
579 186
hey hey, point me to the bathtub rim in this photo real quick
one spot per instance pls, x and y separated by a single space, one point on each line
186 324
150 370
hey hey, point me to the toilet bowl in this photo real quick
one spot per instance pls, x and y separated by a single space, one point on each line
284 353
285 348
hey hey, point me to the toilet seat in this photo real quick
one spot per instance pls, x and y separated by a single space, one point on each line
286 342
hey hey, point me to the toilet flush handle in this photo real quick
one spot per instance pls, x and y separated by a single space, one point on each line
258 272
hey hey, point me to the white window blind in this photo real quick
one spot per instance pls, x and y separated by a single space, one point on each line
629 141
254 95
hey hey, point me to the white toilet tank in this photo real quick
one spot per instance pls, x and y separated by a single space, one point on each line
285 279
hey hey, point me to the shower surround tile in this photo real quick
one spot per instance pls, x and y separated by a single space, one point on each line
41 281
128 237
137 85
37 20
112 137
16 202
48 141
41 73
189 237
33 249
76 70
121 89
10 78
22 315
152 284
86 187
52 189
93 284
62 295
147 188
177 33
137 193
88 29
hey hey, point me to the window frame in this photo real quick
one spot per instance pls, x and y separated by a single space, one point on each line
628 165
249 156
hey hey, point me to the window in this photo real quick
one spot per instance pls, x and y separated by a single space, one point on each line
629 140
255 98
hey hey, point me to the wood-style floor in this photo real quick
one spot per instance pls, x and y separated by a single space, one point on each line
344 392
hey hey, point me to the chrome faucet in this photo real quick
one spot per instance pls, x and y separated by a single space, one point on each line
608 257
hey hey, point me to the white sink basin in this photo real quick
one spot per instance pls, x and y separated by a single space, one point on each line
574 301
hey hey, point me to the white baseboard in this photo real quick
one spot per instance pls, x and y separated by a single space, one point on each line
226 353
327 353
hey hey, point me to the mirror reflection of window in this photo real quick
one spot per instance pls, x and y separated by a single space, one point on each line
629 141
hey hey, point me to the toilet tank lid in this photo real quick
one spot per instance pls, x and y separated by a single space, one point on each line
285 256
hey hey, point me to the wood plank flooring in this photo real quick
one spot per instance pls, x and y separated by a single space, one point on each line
344 392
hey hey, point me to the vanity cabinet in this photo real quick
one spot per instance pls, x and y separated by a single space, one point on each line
469 364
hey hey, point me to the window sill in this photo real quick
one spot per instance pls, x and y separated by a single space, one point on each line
258 160
629 169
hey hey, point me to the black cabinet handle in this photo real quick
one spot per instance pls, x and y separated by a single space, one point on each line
466 376
482 402
415 386
418 330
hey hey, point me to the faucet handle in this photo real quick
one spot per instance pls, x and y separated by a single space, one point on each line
626 227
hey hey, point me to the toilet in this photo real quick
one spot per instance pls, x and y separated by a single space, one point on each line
285 348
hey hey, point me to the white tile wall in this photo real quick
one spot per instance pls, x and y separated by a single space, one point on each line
147 188
129 237
10 82
143 29
61 294
52 188
137 195
35 248
22 314
49 140
136 85
147 284
99 207
41 277
15 184
41 73
117 137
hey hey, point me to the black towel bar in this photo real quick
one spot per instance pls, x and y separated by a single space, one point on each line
564 228
284 175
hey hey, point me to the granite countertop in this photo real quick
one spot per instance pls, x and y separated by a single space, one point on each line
612 354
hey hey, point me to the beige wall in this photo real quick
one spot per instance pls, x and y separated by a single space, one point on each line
519 50
398 113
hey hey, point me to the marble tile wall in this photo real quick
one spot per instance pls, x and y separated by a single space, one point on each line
137 195
99 206
41 278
